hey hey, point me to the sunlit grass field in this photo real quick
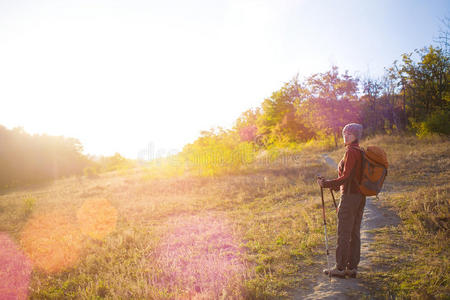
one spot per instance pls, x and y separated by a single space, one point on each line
252 235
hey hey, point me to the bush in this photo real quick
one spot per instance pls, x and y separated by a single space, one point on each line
90 172
29 203
217 153
437 122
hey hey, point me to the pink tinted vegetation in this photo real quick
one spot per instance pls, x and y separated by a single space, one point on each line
198 259
15 270
248 133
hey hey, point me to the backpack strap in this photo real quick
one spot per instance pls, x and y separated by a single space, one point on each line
353 175
361 150
349 181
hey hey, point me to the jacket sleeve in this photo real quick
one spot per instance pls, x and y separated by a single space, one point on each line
349 165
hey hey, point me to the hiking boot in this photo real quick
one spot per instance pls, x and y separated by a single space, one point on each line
351 272
334 272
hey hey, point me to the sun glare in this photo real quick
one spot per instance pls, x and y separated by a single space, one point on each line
52 241
97 218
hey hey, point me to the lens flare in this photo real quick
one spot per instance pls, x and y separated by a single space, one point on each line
15 270
52 242
198 259
97 218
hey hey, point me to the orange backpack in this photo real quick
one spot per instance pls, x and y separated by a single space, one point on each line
374 170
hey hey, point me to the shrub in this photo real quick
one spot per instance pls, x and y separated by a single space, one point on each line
437 122
90 172
29 203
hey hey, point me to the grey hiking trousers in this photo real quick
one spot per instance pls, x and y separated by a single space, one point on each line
348 248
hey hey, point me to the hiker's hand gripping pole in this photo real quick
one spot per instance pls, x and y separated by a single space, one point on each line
320 181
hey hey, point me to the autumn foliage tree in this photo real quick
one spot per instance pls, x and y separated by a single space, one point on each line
332 102
246 126
413 95
279 122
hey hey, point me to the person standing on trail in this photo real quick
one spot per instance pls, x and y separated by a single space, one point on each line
351 204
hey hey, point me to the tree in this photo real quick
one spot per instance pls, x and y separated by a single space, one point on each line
279 121
28 158
246 126
424 82
332 102
443 39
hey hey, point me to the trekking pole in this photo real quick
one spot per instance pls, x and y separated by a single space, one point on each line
334 200
325 229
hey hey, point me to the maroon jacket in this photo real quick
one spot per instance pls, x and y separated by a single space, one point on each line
351 162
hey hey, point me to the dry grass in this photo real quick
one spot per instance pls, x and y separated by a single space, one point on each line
235 236
254 235
412 258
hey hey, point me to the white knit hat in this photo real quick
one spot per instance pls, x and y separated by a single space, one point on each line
353 128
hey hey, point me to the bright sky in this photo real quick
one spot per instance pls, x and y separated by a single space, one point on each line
121 74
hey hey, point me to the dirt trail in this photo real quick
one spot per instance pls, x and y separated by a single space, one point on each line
351 288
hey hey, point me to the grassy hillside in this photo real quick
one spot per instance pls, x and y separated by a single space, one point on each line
257 234
416 253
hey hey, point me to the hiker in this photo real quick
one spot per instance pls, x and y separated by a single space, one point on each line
351 204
